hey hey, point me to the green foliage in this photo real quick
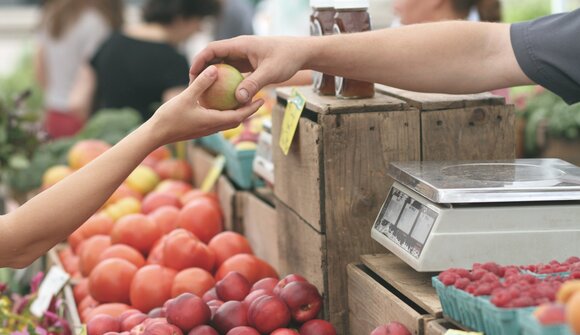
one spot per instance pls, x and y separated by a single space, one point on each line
524 10
111 125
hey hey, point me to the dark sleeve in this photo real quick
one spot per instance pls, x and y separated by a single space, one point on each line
176 72
548 51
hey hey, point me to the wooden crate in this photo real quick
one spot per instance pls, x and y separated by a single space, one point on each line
462 127
332 183
439 327
259 225
385 289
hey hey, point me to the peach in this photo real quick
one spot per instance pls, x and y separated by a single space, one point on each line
234 286
193 280
318 327
254 295
213 306
302 299
221 95
187 311
133 320
573 312
103 323
157 312
143 179
268 313
230 315
210 295
175 187
177 169
55 174
267 284
392 328
203 330
567 290
549 314
243 330
287 280
155 200
284 331
160 328
165 218
83 152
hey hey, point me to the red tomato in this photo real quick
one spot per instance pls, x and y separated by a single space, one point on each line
110 281
202 218
151 287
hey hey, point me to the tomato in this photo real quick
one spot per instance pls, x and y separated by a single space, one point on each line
137 231
176 187
124 252
90 252
151 287
182 251
228 244
114 309
201 217
192 280
249 266
156 254
110 280
165 218
159 154
70 261
123 191
81 290
196 193
75 239
87 302
155 200
98 224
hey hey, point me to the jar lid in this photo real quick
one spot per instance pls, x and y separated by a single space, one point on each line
351 4
321 3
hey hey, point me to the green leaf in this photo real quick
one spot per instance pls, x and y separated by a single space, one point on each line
18 162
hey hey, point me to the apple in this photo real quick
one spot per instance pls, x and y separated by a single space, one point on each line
287 280
392 328
221 95
187 311
230 315
213 306
243 330
317 327
157 312
210 295
268 313
302 299
266 284
233 286
253 296
103 323
203 330
284 331
132 320
161 328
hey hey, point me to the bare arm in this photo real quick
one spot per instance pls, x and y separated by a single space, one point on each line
47 219
39 67
445 57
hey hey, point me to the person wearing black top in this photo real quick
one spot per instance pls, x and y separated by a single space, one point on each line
140 67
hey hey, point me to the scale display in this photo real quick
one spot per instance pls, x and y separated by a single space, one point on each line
406 222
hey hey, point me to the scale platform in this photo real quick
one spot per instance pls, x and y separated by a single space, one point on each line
439 215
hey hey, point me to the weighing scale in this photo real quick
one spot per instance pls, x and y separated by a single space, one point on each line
439 215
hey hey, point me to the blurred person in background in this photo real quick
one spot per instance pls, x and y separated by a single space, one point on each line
422 11
70 32
235 19
141 66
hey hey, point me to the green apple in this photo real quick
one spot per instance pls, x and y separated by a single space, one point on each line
221 95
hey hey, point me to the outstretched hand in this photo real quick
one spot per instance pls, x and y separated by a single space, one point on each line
182 117
269 60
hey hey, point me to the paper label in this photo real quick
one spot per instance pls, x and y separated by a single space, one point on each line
214 173
51 285
292 114
460 332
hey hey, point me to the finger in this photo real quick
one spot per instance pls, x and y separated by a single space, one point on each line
203 81
254 82
235 117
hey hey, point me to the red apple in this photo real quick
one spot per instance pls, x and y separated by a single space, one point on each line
234 286
157 312
203 330
127 314
213 306
287 280
243 330
162 329
155 200
268 313
221 95
230 315
250 298
140 328
302 299
284 331
317 327
103 323
187 311
210 295
267 284
392 328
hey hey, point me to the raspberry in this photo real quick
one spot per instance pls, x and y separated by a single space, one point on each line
483 289
477 274
575 275
492 267
501 298
471 288
448 278
572 260
490 278
462 283
523 302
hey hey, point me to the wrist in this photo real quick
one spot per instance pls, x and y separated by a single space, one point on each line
152 134
313 52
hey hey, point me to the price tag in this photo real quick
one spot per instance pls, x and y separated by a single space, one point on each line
460 332
292 114
214 173
51 285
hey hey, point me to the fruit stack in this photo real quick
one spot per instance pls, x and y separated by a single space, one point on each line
490 297
232 307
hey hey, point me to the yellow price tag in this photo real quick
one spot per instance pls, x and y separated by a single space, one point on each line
83 330
214 173
294 109
460 332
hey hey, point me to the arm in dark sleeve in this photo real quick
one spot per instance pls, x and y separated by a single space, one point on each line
548 51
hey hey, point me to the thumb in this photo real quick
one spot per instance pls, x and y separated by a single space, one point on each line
250 86
202 82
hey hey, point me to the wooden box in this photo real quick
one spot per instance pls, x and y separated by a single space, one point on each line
259 225
385 289
333 181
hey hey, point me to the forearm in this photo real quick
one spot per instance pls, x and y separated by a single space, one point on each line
447 57
48 218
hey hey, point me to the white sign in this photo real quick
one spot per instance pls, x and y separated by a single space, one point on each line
51 285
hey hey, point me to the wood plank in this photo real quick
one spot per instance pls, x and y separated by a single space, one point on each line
71 313
201 162
261 229
297 175
414 285
434 101
331 105
438 327
479 133
226 193
357 151
301 249
371 305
